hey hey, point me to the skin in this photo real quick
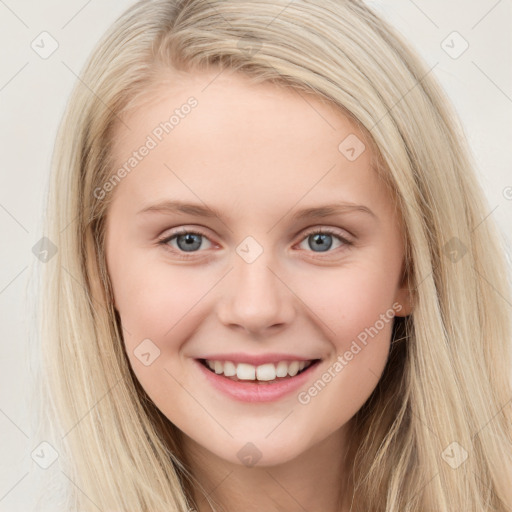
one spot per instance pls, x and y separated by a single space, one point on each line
258 154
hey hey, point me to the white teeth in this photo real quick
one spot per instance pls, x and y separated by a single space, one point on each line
229 369
266 372
263 372
282 369
293 369
245 371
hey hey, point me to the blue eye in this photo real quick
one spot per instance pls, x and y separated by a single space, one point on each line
322 239
187 241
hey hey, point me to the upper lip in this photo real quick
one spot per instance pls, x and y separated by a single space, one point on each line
256 360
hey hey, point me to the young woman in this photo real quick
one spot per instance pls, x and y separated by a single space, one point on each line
274 287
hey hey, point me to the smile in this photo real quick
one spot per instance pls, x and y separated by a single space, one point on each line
265 382
265 372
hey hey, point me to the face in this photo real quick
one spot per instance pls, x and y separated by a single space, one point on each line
285 252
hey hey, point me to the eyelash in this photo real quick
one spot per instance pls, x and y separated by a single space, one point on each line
314 231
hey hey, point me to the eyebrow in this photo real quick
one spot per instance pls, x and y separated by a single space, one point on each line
198 210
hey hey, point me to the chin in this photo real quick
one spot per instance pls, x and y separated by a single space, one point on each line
260 453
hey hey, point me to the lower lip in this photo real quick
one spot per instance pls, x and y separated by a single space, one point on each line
253 391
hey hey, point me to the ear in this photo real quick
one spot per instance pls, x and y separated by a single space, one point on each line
404 296
113 299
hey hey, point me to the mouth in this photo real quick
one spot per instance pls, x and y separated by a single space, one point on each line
264 374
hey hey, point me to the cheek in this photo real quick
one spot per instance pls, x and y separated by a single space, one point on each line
354 307
164 304
160 307
350 299
152 296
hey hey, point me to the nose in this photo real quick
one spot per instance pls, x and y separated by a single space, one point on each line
255 298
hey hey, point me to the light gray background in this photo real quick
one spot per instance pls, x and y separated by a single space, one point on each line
33 93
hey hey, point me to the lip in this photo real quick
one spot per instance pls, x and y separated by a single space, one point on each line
257 392
256 360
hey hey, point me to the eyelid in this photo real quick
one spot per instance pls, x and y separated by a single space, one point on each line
346 241
182 255
183 230
343 235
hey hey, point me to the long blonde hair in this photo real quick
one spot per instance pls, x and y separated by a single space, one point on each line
445 392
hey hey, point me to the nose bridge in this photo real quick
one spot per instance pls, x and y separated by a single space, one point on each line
253 296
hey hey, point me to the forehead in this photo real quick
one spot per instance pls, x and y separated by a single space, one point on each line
251 144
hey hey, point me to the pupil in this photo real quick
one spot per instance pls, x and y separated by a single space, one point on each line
320 239
193 241
190 239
